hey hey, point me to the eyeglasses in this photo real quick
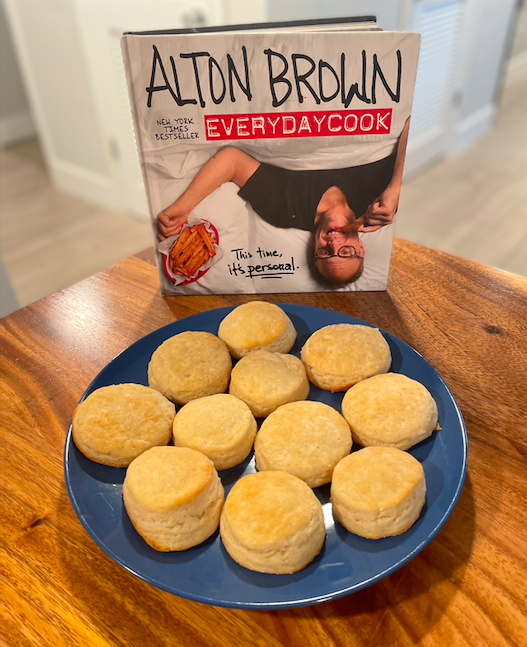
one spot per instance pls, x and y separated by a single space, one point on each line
346 251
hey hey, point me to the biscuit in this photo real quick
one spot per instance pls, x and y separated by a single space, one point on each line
264 381
257 325
190 365
117 423
174 497
272 523
378 492
390 410
306 439
220 426
338 356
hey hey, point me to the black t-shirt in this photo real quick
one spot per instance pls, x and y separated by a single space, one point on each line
286 198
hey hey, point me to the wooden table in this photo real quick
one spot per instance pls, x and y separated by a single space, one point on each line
468 587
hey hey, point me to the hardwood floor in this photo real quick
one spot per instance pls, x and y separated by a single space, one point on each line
473 205
50 240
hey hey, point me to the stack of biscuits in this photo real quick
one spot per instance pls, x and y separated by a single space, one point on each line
271 521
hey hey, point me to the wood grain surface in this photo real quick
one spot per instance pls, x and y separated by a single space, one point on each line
468 587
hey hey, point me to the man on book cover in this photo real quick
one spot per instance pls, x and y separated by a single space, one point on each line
332 204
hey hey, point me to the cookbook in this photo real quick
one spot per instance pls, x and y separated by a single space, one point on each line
272 155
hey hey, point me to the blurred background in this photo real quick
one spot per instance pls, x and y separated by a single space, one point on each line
71 195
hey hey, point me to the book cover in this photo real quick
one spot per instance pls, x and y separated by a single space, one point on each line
272 158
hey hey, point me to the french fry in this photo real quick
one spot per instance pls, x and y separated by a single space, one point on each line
206 239
177 249
193 235
181 269
199 248
180 243
189 249
184 235
199 260
174 254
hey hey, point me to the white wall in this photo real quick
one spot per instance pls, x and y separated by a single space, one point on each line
386 11
240 12
16 123
56 78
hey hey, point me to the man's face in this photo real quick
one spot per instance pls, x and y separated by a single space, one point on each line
341 269
339 252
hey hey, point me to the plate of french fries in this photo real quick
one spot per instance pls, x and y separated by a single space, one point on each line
190 254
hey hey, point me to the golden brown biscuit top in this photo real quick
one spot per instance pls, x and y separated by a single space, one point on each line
253 324
376 477
165 477
304 432
346 349
267 507
213 423
122 419
264 375
192 358
392 406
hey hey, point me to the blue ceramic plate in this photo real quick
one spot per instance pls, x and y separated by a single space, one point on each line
206 573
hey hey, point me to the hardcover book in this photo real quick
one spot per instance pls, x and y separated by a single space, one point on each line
272 155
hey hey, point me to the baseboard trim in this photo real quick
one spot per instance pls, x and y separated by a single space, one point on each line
16 128
85 184
473 127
